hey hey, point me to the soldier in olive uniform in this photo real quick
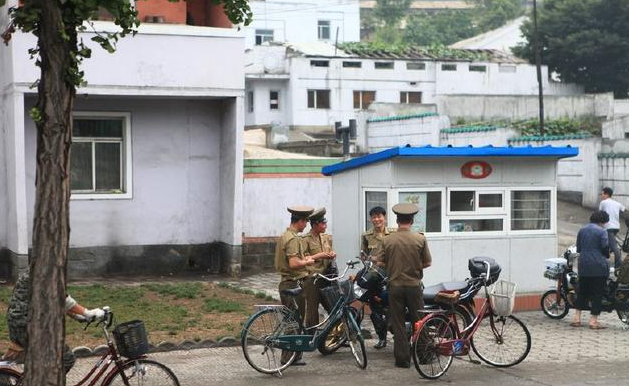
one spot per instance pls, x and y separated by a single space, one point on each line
292 264
317 245
371 243
406 254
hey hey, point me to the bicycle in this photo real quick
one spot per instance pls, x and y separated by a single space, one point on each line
497 337
276 328
136 370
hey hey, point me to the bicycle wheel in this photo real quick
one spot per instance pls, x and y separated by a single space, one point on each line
501 341
9 377
623 315
429 361
463 316
553 307
143 372
337 337
355 340
258 340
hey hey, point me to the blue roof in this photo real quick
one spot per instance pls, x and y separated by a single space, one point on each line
450 151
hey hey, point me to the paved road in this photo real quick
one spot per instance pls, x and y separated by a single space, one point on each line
560 355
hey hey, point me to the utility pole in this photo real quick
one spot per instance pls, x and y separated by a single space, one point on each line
538 63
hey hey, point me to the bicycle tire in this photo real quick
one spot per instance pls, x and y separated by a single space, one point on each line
256 340
143 372
623 315
490 344
428 360
464 316
355 340
551 307
336 337
10 377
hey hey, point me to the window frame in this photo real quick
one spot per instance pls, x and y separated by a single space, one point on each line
421 66
277 100
407 95
448 67
360 98
126 163
315 98
553 210
477 192
477 68
263 33
363 204
423 190
384 65
352 64
321 27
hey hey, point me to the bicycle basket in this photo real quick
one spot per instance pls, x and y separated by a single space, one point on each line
331 294
131 339
502 297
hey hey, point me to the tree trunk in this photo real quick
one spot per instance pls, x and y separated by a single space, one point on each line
51 228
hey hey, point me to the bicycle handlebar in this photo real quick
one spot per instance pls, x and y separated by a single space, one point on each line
348 265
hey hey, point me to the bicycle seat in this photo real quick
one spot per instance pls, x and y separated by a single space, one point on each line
432 291
292 291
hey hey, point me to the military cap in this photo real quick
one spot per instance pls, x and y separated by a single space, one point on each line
405 209
300 211
318 215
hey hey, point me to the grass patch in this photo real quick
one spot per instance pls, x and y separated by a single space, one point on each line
216 304
179 291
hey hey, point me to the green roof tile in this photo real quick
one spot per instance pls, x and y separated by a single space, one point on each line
401 117
531 138
469 129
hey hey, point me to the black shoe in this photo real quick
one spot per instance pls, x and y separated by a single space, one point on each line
298 362
382 343
404 365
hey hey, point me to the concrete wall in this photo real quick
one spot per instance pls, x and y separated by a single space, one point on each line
497 137
414 131
621 107
486 108
265 200
617 128
614 172
296 21
262 113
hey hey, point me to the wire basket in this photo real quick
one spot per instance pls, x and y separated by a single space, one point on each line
502 297
131 339
331 294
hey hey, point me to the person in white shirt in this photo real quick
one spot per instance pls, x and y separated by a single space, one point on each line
613 209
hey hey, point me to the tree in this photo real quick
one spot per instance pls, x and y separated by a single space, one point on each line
59 53
585 42
388 14
439 28
491 14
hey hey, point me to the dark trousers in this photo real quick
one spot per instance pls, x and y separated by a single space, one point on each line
613 246
288 302
312 293
378 318
591 288
401 299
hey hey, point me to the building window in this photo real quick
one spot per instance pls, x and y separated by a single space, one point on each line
319 99
428 219
362 99
530 210
250 101
373 199
476 210
415 66
100 161
410 97
323 29
320 63
352 64
476 225
506 68
383 65
263 35
274 97
448 67
477 68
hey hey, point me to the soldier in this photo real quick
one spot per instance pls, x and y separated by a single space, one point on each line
17 317
317 245
292 264
371 244
406 254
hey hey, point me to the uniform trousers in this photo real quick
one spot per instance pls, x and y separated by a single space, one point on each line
288 302
402 298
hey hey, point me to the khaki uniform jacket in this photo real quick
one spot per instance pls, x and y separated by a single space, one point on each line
371 242
405 255
317 244
289 245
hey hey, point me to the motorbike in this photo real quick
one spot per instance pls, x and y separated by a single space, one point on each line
370 285
556 302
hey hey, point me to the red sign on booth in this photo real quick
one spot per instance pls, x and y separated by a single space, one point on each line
476 169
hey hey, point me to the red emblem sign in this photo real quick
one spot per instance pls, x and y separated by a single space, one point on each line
476 169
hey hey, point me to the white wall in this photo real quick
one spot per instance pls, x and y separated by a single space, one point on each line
296 21
265 201
621 107
498 137
616 128
262 113
615 173
414 131
176 177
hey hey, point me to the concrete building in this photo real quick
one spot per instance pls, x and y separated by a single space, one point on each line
157 149
303 21
503 38
485 201
312 85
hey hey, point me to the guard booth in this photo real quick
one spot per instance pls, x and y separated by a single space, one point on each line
499 202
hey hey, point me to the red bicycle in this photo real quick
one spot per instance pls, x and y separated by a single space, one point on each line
137 370
497 337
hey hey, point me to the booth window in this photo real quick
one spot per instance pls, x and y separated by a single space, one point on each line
479 210
476 225
428 219
100 159
373 199
530 210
